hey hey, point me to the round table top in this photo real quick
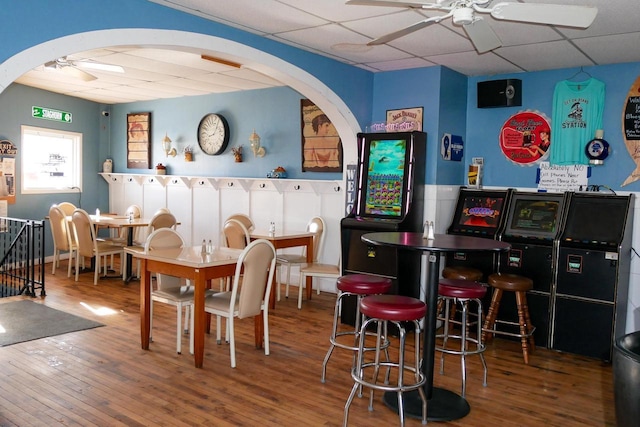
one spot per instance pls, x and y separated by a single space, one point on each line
440 242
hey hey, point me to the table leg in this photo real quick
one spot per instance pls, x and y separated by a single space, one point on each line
199 318
442 405
309 283
128 274
145 305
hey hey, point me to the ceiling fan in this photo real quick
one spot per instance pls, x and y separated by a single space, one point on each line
75 68
464 13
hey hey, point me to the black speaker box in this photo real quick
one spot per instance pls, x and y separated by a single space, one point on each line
500 93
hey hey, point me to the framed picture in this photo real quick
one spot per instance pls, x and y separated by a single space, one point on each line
139 140
321 144
405 119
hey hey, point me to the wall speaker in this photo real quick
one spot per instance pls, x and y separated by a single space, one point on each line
500 93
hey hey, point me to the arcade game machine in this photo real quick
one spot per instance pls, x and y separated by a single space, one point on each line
534 222
389 197
594 257
478 213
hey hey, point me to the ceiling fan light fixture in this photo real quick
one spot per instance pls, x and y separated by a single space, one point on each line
463 16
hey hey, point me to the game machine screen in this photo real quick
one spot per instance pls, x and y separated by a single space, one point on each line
536 216
479 213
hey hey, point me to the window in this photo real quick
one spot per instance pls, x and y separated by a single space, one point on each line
51 160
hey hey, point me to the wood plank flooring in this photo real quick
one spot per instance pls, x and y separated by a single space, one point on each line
101 377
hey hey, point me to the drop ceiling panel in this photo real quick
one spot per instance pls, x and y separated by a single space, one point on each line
471 64
612 49
544 56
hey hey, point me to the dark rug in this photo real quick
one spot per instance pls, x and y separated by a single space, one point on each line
22 321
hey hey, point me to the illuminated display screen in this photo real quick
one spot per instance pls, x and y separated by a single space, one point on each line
481 211
531 215
385 178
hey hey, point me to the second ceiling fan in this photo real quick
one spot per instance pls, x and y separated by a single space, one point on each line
465 13
77 68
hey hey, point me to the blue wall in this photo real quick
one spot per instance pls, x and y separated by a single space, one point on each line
537 93
273 113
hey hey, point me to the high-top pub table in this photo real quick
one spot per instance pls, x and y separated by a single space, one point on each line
443 405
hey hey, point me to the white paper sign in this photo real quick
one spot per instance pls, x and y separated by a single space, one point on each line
560 178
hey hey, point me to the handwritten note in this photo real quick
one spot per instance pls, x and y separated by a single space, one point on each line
560 178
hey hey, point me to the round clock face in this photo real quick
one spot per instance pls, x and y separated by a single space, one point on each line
213 134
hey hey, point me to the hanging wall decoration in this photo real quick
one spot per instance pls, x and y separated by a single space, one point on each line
139 141
8 153
321 144
631 129
525 138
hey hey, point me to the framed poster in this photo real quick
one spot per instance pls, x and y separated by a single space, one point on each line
321 144
139 140
405 119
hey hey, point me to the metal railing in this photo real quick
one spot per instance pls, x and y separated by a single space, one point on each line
22 262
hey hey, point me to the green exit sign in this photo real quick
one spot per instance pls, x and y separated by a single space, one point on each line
50 114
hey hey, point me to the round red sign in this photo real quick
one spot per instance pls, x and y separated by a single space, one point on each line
525 137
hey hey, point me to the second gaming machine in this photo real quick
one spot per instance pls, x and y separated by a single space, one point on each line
389 197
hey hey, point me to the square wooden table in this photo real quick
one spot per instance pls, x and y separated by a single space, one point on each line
281 240
189 263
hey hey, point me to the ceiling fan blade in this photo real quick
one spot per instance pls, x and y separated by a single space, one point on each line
388 3
552 14
98 66
482 36
77 73
408 30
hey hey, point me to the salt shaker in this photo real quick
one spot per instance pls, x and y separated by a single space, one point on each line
204 247
130 216
430 232
425 230
209 247
272 228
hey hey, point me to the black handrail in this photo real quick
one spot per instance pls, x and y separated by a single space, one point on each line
22 261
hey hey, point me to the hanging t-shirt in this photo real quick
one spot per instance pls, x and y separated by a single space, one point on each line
577 113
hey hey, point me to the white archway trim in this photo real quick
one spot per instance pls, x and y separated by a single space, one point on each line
270 65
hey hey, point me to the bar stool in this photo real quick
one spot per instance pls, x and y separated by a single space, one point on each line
504 282
381 309
358 285
462 272
462 292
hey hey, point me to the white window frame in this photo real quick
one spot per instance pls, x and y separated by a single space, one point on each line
38 144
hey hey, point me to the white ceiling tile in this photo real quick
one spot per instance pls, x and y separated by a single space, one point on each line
401 64
544 56
611 49
472 64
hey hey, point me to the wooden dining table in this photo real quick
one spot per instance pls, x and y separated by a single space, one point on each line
281 240
189 263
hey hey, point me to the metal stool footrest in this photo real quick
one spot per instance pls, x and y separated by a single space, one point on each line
507 333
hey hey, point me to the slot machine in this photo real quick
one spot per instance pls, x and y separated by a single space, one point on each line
594 256
478 213
534 222
389 197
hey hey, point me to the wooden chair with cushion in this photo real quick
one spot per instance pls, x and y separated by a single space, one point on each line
317 269
235 236
315 226
248 297
161 219
170 289
90 246
63 239
244 219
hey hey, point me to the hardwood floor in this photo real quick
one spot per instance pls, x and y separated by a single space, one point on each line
102 377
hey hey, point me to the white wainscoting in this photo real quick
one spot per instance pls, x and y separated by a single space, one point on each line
201 205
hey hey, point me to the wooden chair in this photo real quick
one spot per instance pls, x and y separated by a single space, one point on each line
249 297
67 208
316 269
90 246
244 219
171 290
63 239
316 226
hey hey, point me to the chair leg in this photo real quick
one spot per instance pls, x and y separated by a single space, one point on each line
55 260
490 320
191 325
232 340
303 280
523 314
286 286
151 320
70 262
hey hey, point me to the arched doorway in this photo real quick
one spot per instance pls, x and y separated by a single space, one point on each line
270 65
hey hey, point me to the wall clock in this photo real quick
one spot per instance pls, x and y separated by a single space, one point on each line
213 134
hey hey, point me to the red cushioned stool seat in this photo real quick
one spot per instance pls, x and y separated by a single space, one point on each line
358 286
364 284
379 310
461 292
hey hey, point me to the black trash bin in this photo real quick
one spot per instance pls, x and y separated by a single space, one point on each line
626 379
